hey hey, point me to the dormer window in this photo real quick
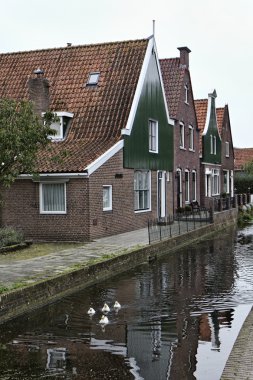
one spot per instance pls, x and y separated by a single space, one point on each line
93 79
61 126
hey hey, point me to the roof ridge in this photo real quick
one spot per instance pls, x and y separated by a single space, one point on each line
77 46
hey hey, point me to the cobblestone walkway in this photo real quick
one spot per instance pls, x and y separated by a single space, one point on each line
240 364
41 268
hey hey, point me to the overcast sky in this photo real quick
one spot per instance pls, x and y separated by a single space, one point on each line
218 32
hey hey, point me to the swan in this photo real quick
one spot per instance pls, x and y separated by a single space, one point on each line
104 320
91 311
117 305
105 308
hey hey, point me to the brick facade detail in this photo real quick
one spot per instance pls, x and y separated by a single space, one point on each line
85 219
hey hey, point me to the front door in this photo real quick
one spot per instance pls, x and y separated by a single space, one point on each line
179 188
161 194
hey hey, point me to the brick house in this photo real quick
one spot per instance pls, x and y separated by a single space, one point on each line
227 151
108 168
216 150
179 95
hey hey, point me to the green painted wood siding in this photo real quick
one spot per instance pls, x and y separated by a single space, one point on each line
212 130
151 106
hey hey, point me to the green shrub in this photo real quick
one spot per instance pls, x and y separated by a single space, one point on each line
9 236
243 182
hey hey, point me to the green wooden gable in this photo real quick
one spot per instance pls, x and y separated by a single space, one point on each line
151 106
211 140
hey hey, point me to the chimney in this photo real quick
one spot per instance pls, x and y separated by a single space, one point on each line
38 89
184 56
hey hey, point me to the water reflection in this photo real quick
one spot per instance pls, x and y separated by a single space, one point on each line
170 310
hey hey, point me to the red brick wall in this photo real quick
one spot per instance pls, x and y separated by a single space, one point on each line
122 218
21 210
184 158
83 221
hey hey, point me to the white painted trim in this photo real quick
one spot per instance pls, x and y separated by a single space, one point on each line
61 113
170 121
104 157
110 198
53 175
151 46
150 191
41 199
156 136
127 130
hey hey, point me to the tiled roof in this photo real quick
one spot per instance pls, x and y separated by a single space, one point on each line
242 156
100 112
220 116
173 79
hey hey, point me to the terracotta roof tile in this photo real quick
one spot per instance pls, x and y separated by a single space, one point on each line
173 78
242 156
100 112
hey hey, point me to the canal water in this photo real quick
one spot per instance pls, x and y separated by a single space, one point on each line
178 320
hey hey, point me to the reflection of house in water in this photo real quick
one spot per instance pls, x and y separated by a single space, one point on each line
209 326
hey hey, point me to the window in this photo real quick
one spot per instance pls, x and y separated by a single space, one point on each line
216 182
186 90
61 125
187 187
191 138
214 144
194 186
153 136
141 190
107 198
93 79
211 144
227 148
226 181
181 131
53 198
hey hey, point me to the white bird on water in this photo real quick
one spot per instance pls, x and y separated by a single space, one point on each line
105 308
91 311
104 320
117 305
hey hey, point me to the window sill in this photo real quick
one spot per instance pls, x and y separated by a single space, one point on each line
192 150
182 148
141 211
109 210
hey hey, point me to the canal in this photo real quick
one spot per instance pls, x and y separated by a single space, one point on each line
179 318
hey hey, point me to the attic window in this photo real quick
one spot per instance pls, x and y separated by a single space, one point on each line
93 79
61 126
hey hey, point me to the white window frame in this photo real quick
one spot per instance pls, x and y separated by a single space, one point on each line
109 188
186 88
191 138
227 148
215 182
187 186
42 208
181 136
153 135
93 78
59 124
214 144
148 190
226 175
211 144
194 185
